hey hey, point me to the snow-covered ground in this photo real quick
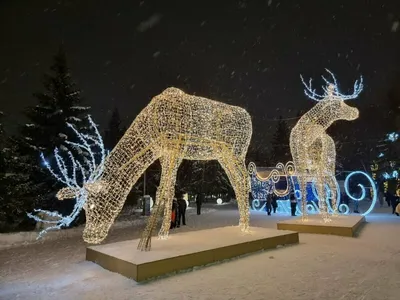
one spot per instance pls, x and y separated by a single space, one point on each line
320 267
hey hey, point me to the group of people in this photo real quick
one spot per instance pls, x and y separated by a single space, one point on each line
272 204
179 206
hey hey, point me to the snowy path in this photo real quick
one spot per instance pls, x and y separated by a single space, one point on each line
321 267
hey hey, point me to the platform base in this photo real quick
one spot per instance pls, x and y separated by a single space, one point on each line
342 225
185 250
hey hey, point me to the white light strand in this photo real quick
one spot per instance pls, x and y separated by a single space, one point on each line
331 91
172 127
73 189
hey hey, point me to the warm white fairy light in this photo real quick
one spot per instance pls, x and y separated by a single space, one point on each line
275 175
174 126
313 150
73 189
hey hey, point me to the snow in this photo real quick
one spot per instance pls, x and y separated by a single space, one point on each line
395 26
75 119
149 23
320 267
80 107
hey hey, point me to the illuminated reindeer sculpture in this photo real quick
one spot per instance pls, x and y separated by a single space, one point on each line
174 126
313 150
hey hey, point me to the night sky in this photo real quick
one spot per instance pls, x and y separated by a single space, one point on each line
247 53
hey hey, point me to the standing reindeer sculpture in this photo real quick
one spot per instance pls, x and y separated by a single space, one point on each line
313 150
173 127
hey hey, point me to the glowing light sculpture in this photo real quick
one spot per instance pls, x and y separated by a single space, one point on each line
363 190
313 150
88 174
174 126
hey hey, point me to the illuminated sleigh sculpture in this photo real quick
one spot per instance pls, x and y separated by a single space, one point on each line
266 181
314 154
174 126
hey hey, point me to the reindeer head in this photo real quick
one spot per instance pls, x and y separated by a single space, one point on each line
331 105
94 196
84 182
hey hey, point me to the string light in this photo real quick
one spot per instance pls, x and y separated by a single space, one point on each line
392 137
363 190
73 189
261 187
313 150
268 182
174 126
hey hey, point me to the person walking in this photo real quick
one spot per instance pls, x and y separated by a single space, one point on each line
274 202
269 204
293 204
393 202
199 202
174 213
181 210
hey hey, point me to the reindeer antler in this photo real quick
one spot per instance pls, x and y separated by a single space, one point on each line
73 189
332 90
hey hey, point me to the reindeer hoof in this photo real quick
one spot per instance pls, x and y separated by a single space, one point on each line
144 244
244 228
163 235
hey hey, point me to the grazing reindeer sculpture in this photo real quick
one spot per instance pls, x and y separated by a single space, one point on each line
313 150
173 127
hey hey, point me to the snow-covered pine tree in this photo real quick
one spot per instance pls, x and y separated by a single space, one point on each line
280 143
47 129
11 209
115 130
3 172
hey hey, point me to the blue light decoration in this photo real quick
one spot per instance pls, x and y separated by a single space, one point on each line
88 175
381 155
393 175
392 137
363 193
260 191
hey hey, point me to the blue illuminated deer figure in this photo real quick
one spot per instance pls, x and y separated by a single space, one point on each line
313 150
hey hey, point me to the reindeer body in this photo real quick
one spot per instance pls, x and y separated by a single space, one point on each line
174 126
313 150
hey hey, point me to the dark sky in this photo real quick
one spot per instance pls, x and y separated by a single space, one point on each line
248 53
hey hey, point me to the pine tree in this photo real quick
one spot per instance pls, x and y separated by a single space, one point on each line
47 129
114 132
3 173
280 143
10 207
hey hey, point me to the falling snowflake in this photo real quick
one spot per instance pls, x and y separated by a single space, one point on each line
395 26
149 23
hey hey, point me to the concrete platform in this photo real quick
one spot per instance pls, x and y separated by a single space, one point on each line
342 225
185 250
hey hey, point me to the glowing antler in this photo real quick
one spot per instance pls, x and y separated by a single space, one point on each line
331 90
73 189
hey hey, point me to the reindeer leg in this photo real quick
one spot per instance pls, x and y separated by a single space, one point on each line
165 192
319 185
330 180
236 171
170 181
329 155
303 190
162 191
145 240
